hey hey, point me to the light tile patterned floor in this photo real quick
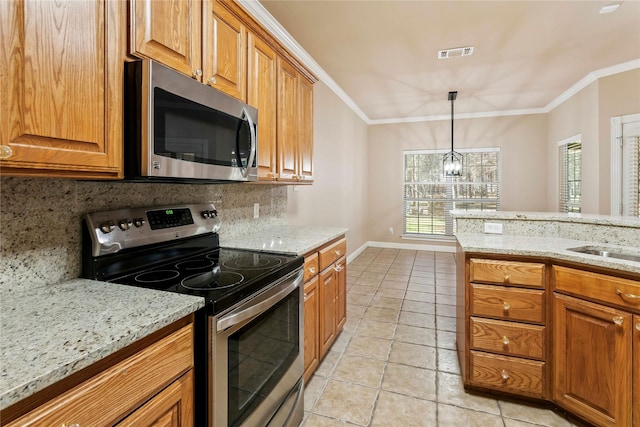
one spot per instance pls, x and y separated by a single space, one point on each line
395 363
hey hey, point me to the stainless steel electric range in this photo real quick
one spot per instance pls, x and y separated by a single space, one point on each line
249 336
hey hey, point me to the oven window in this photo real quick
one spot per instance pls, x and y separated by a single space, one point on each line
186 130
259 356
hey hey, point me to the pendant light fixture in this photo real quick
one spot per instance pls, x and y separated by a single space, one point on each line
452 161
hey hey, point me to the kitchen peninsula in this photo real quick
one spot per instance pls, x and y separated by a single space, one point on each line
550 309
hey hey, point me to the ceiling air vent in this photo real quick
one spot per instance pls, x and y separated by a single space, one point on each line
455 52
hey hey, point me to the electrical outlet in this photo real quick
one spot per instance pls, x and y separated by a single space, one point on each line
493 227
256 210
390 230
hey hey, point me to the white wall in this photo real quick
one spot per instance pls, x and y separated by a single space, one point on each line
338 196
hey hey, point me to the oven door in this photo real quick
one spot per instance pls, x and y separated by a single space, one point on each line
257 363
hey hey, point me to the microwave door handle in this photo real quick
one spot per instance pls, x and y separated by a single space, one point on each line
252 150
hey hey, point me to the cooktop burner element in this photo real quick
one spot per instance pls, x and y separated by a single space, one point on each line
148 247
252 262
214 279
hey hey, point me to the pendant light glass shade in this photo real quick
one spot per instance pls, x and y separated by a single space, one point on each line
452 161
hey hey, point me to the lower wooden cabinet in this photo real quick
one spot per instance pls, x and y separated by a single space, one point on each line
172 407
583 353
593 361
153 387
325 301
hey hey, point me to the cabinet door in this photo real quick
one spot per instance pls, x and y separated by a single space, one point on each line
170 32
305 158
636 371
61 101
287 121
172 407
593 364
225 50
341 297
262 85
311 332
327 309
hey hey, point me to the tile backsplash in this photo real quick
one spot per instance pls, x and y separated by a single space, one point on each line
40 218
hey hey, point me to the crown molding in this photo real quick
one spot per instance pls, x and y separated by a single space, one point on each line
262 15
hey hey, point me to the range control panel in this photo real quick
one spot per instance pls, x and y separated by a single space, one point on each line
112 231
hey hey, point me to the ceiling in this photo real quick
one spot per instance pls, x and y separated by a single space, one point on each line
381 57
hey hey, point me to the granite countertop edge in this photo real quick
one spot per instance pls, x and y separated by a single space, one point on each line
594 219
287 239
84 322
540 246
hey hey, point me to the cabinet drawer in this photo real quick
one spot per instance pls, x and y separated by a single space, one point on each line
598 287
509 374
310 266
115 392
510 338
506 272
525 305
332 252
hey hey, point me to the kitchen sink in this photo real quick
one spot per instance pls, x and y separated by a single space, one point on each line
607 252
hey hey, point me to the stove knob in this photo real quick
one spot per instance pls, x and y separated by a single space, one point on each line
125 224
138 222
205 214
107 227
213 213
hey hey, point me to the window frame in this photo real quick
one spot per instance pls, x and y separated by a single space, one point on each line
564 203
449 182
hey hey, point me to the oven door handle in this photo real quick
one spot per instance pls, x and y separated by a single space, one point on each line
260 303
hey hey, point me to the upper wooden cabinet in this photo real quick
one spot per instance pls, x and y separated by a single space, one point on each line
262 94
225 50
287 122
305 130
169 32
61 99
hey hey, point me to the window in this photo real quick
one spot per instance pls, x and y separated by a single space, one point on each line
625 165
570 156
429 195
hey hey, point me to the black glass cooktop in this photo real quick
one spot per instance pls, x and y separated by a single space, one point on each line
222 276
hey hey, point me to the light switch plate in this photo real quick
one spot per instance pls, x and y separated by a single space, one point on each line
493 227
256 210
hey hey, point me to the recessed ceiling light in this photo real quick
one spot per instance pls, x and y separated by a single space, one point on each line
609 8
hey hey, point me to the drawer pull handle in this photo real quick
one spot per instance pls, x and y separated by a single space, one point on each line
338 252
338 268
506 278
630 296
505 375
505 340
306 297
618 320
638 326
5 152
70 425
506 306
312 270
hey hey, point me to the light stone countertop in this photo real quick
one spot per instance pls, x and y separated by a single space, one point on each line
50 332
293 240
577 218
552 247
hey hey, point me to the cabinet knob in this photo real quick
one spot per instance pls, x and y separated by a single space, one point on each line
312 270
212 80
506 306
197 72
618 320
505 340
5 152
507 278
70 425
505 375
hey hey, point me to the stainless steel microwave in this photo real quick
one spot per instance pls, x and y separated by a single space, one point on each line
178 129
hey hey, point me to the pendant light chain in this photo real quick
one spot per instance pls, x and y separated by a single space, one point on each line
452 162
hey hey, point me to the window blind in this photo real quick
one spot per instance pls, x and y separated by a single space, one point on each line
570 162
